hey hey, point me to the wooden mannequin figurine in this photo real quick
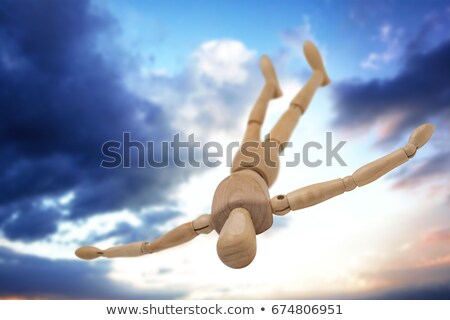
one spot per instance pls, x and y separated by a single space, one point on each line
242 207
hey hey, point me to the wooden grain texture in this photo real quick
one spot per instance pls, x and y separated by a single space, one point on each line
202 225
260 157
305 95
421 135
378 168
283 129
258 113
175 237
236 246
243 189
315 61
316 193
124 251
268 71
271 90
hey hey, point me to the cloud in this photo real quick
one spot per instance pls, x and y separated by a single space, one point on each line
417 269
432 172
439 291
368 12
390 39
289 57
30 223
223 61
434 23
61 99
31 277
420 92
414 292
212 94
439 261
426 282
416 93
148 230
437 236
295 37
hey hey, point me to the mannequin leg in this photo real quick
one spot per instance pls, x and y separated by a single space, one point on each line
283 129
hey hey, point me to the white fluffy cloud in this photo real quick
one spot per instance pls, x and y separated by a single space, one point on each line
223 61
212 95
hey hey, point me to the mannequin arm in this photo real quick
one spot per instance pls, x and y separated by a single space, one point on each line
175 237
316 193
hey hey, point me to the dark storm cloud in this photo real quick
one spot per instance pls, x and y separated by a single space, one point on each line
32 277
429 283
430 292
420 91
434 166
432 171
436 291
60 100
29 222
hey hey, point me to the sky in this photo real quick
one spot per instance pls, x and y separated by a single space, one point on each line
76 74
